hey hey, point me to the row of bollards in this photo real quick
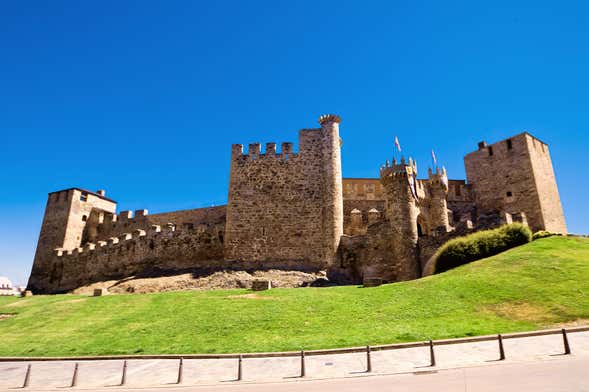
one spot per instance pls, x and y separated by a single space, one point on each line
74 382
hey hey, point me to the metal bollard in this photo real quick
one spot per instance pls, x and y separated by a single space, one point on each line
501 350
124 376
180 365
239 368
25 383
303 369
75 376
431 354
565 340
368 360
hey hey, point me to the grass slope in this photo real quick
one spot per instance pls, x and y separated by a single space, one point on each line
533 286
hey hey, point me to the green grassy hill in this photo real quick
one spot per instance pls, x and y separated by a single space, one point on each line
541 284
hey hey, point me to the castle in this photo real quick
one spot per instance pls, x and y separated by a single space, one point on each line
292 210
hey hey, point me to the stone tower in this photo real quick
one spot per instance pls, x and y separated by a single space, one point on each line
400 183
66 214
515 175
285 209
437 186
333 201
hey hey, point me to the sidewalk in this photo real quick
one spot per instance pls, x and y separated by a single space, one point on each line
164 372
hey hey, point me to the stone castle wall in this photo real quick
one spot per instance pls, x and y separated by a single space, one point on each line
289 210
287 206
546 188
134 253
102 225
66 214
515 175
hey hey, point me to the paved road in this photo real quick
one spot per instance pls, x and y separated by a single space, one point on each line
560 374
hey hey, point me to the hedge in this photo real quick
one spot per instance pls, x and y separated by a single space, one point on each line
543 234
476 246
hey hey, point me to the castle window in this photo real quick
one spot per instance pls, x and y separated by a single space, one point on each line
84 196
457 190
509 144
509 194
84 218
490 149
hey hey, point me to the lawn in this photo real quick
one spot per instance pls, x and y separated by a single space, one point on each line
538 285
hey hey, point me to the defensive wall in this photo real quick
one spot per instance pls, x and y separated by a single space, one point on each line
287 206
292 210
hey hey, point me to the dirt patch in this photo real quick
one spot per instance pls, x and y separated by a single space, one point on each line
574 323
89 289
4 316
219 280
521 311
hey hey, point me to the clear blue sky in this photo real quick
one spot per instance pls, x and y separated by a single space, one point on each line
144 98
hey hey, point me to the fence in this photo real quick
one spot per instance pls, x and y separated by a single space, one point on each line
367 350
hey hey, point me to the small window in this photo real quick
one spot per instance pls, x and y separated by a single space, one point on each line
84 196
490 149
509 194
509 144
84 218
457 190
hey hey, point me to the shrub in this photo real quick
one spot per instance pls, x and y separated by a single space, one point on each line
543 234
463 250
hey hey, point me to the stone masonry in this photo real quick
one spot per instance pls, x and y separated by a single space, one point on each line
292 210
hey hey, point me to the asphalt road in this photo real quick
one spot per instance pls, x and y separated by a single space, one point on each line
554 375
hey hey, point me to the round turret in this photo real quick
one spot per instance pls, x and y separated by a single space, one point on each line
329 118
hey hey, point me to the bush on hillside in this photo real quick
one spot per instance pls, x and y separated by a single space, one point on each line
463 250
543 234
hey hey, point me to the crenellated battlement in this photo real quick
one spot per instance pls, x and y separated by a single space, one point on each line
400 169
103 225
154 232
255 152
123 216
329 118
438 178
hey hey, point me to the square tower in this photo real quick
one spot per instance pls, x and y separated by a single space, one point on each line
66 214
286 209
516 175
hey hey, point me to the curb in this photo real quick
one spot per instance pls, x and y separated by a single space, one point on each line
348 350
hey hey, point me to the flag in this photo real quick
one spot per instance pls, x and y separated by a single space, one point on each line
434 158
397 144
